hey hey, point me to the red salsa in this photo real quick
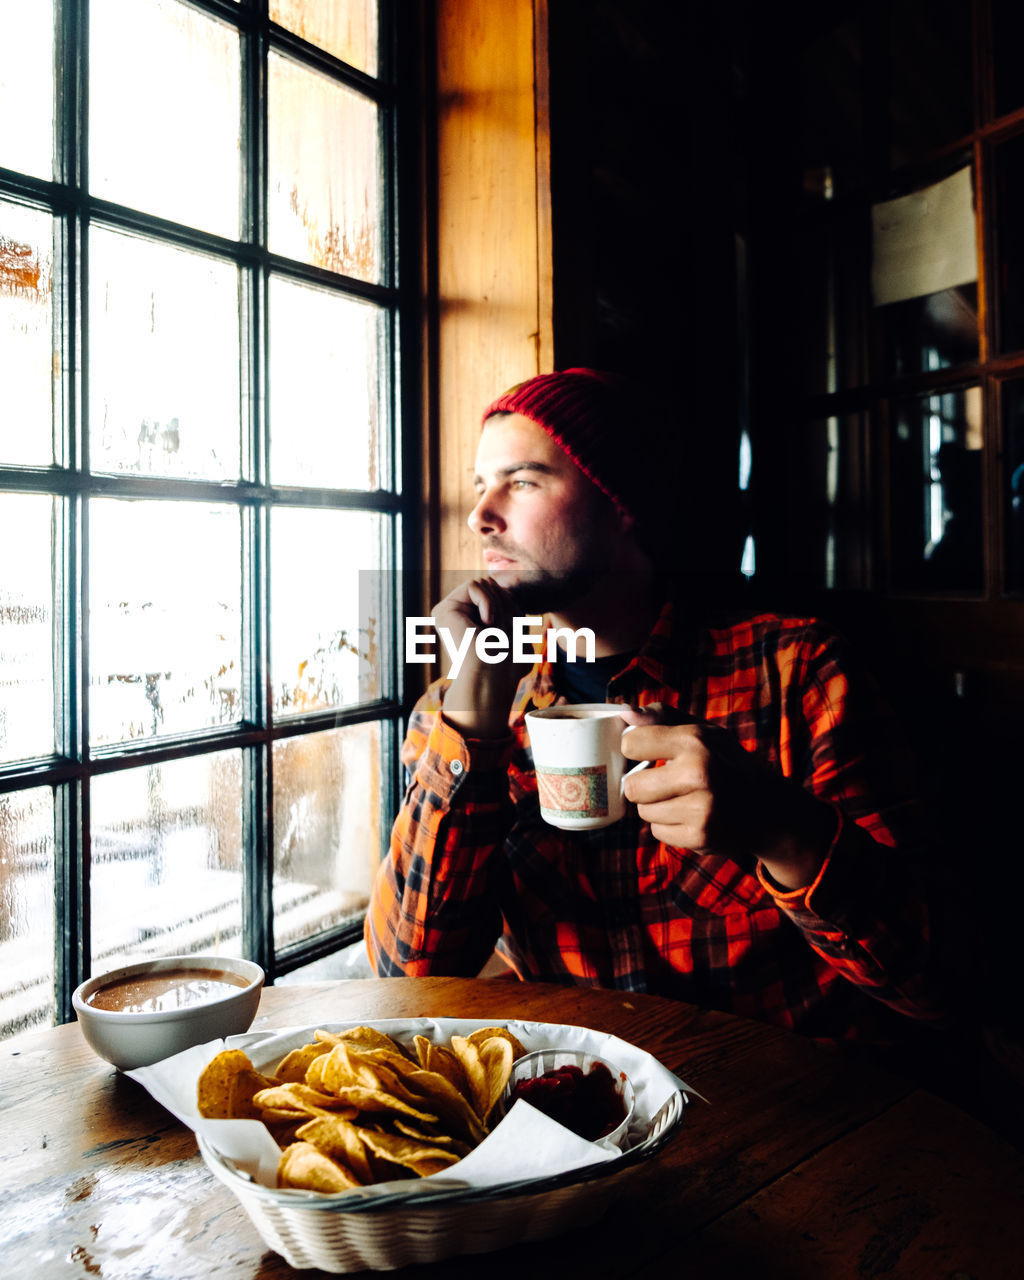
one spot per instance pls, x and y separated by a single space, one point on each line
589 1104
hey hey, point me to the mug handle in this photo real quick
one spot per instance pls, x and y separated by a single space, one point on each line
644 764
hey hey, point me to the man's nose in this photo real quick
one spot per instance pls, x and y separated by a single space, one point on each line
485 517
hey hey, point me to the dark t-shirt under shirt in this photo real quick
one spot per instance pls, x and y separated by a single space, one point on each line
587 681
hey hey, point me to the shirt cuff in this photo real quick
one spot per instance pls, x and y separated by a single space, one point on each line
795 899
451 760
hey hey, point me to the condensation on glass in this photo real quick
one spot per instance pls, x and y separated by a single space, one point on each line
163 360
26 910
326 630
167 840
26 627
326 828
326 399
931 87
936 486
324 182
345 28
1012 393
165 616
165 112
27 59
29 364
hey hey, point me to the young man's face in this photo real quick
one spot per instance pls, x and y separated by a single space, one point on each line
548 533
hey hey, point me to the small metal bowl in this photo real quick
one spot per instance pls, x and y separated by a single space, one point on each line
532 1065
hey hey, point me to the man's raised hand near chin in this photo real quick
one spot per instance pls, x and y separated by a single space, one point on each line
481 695
710 795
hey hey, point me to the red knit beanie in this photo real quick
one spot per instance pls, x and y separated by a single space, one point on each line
592 416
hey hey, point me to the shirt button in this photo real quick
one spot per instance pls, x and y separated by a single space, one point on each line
457 767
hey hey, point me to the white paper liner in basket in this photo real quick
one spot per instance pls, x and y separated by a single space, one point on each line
508 1190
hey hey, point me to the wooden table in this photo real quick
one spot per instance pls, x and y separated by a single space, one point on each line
801 1166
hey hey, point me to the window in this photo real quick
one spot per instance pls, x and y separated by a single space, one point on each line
904 236
201 497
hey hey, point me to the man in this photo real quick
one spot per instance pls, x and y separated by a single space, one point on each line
769 862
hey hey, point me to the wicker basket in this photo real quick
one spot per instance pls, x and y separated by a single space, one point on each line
425 1222
352 1235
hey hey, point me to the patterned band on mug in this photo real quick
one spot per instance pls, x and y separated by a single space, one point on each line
573 792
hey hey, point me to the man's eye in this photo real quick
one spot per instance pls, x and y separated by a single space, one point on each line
521 483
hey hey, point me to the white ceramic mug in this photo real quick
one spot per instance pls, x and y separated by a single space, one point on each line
579 765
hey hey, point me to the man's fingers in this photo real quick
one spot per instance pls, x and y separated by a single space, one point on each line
655 713
658 741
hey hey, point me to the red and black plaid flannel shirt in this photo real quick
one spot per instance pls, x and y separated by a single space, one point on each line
472 861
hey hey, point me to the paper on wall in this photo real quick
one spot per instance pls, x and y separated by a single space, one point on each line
924 242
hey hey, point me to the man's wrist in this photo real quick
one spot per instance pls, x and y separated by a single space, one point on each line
478 704
797 857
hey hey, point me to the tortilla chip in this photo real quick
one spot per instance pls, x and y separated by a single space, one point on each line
378 1100
246 1085
485 1033
293 1066
341 1140
213 1090
488 1065
408 1152
370 1038
304 1167
435 1057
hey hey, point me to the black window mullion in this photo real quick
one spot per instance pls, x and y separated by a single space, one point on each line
257 907
72 486
72 935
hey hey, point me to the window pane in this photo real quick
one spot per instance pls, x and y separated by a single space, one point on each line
1008 164
326 645
325 389
26 86
164 603
26 627
931 82
830 281
1007 37
828 546
1013 438
26 910
27 356
932 332
164 111
936 492
324 197
166 839
326 828
155 311
346 28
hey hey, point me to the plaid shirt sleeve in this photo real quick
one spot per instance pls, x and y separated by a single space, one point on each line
867 911
435 905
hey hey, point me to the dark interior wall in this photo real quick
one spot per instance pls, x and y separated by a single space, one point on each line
646 207
675 175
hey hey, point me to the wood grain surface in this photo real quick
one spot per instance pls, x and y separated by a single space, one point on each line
798 1165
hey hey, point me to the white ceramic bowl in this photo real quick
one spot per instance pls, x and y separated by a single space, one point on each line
130 1040
541 1061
